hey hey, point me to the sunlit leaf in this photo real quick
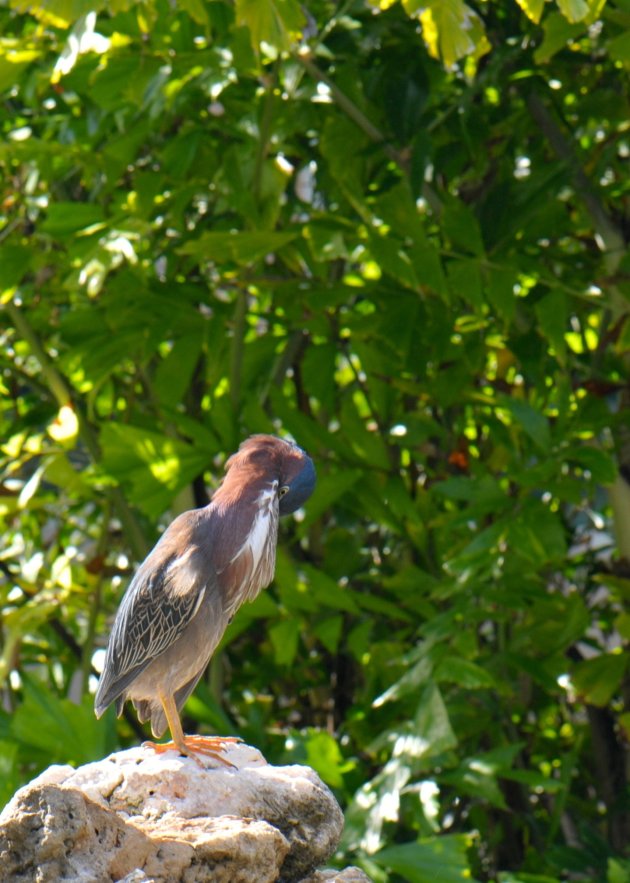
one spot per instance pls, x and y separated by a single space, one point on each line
274 22
58 13
13 61
532 8
452 30
573 10
324 755
152 466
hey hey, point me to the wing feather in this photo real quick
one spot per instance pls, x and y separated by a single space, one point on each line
157 607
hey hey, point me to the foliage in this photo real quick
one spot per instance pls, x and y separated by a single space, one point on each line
396 232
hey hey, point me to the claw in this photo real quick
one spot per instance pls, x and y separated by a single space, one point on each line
193 746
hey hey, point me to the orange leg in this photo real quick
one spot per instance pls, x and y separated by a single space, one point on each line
191 746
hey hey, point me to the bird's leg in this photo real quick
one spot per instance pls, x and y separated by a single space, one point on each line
191 746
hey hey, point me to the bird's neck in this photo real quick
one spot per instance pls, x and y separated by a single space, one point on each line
237 507
241 487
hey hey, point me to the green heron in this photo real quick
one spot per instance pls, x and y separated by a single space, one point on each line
207 563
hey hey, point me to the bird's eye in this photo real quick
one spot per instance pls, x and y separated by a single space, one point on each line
283 490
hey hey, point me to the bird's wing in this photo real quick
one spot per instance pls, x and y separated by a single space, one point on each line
157 607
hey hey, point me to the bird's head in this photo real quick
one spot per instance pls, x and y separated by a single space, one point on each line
265 458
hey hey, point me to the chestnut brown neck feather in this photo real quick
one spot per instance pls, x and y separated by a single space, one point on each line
244 480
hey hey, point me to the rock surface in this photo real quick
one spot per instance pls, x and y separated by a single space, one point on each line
138 816
348 875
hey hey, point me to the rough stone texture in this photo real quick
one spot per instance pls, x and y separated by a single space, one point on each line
348 875
138 816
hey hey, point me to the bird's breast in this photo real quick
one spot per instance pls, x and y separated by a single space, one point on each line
252 566
264 527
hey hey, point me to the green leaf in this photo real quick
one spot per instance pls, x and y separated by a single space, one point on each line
533 9
553 624
14 60
393 260
483 494
427 861
533 421
197 10
9 770
619 47
618 871
432 726
573 10
468 675
63 731
598 679
538 534
284 637
329 632
242 248
14 264
500 291
461 226
558 32
340 139
451 29
414 678
58 13
324 756
174 373
464 279
69 217
275 22
151 466
524 877
477 777
534 780
327 591
599 463
552 312
622 624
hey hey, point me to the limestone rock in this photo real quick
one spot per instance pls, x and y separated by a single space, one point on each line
348 875
138 816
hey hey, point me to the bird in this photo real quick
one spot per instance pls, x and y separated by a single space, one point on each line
206 564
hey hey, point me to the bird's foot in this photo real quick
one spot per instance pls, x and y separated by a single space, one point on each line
193 746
